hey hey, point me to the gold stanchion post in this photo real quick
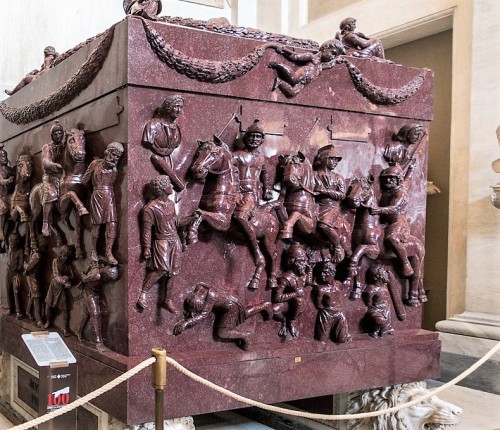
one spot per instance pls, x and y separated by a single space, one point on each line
159 383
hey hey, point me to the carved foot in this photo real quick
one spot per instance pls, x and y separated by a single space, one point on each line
101 347
111 259
282 331
294 331
19 315
94 256
8 92
39 323
169 306
29 316
66 333
46 325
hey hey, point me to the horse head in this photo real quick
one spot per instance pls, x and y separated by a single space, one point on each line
297 171
360 192
24 166
212 156
75 145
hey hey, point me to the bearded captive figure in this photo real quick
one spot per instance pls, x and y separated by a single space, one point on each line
149 9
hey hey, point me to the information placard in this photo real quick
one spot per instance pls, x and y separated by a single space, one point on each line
48 348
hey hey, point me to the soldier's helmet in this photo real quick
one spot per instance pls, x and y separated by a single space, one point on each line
394 171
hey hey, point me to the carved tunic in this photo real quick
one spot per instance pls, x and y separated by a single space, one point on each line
31 272
15 268
102 202
251 173
56 295
6 172
332 189
51 155
394 204
160 137
159 233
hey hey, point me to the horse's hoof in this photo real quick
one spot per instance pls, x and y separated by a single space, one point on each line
82 211
355 294
254 284
285 234
407 270
271 284
45 229
142 302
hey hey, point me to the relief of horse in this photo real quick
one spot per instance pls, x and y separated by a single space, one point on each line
19 201
368 238
213 165
71 191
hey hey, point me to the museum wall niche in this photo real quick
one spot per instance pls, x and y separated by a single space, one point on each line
251 202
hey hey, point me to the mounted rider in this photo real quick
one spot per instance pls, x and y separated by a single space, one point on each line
393 206
52 154
250 165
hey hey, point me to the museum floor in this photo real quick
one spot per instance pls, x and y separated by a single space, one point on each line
481 412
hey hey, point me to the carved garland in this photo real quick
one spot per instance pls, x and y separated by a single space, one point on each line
381 95
214 72
224 71
245 32
66 93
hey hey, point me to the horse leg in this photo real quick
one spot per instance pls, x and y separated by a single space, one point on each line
287 230
352 271
259 260
334 240
270 248
416 293
78 239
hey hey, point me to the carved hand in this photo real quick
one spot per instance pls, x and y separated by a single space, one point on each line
179 327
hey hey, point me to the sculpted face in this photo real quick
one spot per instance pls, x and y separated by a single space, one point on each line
175 109
390 182
57 136
253 140
299 266
111 157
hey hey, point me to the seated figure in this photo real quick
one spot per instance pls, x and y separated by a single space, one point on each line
149 9
356 43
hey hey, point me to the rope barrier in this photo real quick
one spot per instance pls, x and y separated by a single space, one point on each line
207 383
87 398
309 415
